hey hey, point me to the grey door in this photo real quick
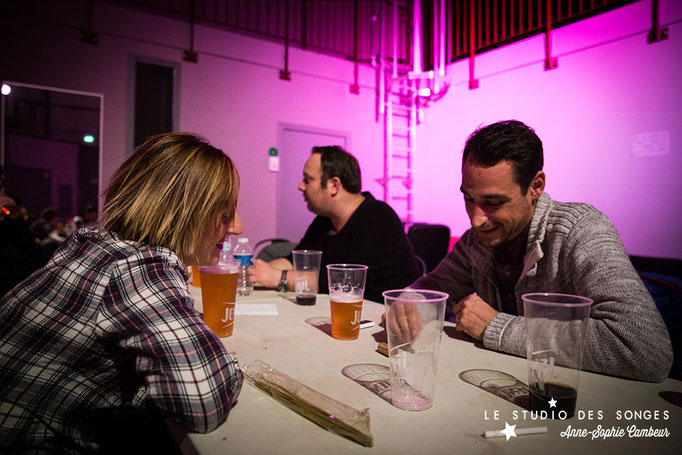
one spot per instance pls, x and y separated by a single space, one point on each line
295 144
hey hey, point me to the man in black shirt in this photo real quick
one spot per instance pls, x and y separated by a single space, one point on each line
350 227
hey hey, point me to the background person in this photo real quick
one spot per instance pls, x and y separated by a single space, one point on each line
350 227
45 224
522 241
17 247
90 215
104 341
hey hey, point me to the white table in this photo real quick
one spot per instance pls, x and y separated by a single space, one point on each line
461 412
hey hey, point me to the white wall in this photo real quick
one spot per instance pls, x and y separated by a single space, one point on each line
610 86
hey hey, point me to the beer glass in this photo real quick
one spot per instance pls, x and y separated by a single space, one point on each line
218 296
306 275
196 280
555 334
346 290
414 325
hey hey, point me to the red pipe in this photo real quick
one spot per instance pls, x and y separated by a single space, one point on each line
473 83
550 63
355 88
284 73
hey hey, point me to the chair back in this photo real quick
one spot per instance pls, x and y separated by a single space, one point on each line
667 294
421 265
273 248
430 242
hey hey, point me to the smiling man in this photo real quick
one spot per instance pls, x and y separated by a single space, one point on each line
522 241
351 227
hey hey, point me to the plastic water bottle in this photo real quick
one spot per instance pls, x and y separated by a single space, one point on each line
226 253
244 255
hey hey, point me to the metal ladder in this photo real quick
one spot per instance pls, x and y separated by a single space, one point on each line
400 131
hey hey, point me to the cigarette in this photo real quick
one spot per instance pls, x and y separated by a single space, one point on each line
518 431
383 349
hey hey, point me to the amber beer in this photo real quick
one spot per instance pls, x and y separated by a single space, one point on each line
346 316
196 276
346 289
218 294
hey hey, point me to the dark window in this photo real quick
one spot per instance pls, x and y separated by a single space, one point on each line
153 100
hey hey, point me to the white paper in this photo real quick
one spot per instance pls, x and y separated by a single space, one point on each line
256 309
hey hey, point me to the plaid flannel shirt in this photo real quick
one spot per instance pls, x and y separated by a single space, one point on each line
107 323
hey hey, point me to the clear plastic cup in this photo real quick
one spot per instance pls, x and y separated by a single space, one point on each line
555 334
346 291
306 275
218 296
414 324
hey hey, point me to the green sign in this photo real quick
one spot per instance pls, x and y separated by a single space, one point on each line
272 151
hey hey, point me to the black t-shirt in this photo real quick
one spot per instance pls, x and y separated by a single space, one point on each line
373 236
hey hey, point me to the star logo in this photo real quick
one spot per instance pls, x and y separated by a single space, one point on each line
509 430
552 403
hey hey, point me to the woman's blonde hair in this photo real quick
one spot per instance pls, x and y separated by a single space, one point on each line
170 191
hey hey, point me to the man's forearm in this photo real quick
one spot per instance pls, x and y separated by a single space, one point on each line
281 264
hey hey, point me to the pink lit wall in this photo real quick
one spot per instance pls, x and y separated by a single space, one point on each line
604 116
611 89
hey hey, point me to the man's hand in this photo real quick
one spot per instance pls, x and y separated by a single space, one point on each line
265 274
404 322
473 315
268 274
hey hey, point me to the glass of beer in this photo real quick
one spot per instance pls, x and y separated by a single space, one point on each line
555 334
196 280
346 290
218 296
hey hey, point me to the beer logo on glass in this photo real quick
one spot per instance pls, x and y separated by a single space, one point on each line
542 369
356 318
228 320
302 285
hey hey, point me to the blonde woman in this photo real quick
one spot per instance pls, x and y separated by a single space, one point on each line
104 341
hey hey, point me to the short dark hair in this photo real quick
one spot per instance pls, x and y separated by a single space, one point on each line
507 140
336 162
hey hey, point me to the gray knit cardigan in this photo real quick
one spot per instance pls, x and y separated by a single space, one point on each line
575 249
